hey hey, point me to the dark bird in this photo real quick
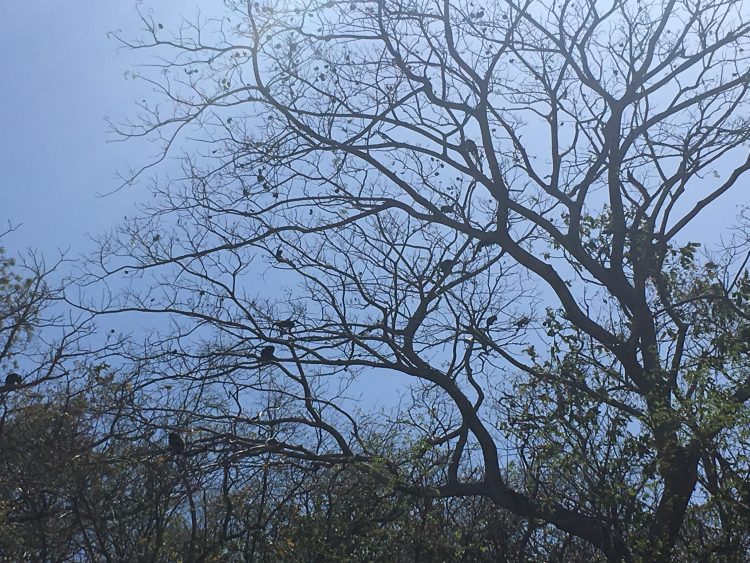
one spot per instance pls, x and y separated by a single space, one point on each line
481 245
446 266
279 254
176 443
471 148
13 379
492 319
260 177
266 354
272 442
285 326
448 208
479 15
522 322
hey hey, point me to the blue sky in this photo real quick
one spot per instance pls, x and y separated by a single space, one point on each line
61 76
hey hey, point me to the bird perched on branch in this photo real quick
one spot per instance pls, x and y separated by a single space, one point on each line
492 319
176 443
471 148
267 354
13 380
482 244
285 326
522 322
446 266
279 255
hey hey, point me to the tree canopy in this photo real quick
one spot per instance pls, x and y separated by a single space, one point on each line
501 219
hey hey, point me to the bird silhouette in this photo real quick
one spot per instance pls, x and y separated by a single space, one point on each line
176 443
266 353
285 326
471 148
446 266
481 245
492 319
13 380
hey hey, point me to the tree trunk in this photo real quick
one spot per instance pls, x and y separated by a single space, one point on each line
680 474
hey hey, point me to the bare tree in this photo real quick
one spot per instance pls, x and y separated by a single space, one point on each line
41 338
497 204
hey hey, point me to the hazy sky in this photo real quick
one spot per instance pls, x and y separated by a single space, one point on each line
61 76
